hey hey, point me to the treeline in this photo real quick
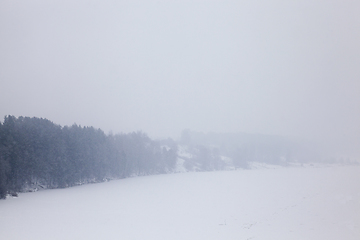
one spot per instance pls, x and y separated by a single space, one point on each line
36 153
214 151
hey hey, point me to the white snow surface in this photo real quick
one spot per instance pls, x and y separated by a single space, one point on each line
280 203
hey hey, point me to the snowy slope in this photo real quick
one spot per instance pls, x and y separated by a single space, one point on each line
283 203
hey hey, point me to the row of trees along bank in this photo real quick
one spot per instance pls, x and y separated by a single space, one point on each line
36 153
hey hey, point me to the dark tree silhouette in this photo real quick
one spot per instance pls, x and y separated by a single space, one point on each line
36 153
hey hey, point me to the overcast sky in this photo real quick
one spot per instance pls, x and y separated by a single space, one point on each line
273 67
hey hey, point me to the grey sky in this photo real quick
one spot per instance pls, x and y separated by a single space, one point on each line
275 67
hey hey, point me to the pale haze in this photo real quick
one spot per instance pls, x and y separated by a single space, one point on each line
288 68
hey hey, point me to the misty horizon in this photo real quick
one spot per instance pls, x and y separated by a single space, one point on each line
273 68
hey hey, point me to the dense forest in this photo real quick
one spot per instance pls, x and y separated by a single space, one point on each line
36 153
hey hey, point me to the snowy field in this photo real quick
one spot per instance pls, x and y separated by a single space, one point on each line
284 203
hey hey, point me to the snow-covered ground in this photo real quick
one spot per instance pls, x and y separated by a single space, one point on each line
274 203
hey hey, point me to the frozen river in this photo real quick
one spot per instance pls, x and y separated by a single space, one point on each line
285 203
